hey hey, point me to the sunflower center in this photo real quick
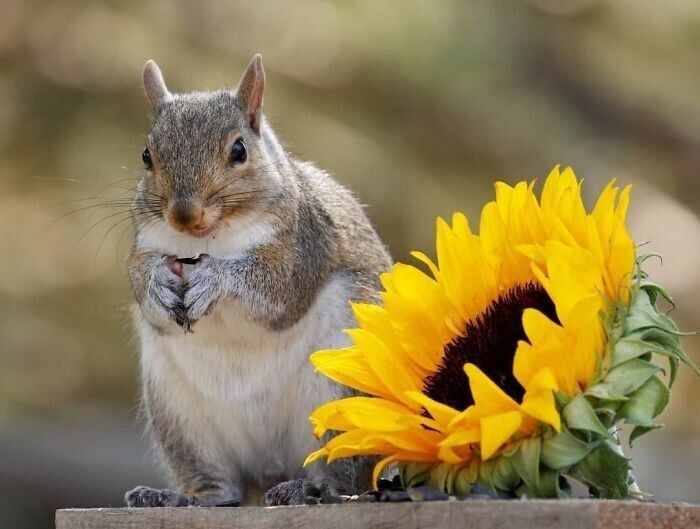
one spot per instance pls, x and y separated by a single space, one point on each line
489 342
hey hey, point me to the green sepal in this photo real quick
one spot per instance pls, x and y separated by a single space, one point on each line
526 461
550 485
442 476
623 379
646 403
630 347
645 330
413 474
561 399
643 406
653 290
465 478
563 449
453 479
642 314
503 476
600 391
580 415
605 472
638 431
607 410
661 342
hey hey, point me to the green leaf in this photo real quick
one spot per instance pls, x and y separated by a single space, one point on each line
579 415
605 471
564 449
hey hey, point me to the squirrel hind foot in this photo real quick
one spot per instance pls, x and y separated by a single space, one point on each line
147 497
298 492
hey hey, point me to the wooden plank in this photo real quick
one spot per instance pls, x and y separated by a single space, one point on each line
625 515
539 514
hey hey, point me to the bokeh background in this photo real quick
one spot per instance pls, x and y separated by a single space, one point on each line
417 106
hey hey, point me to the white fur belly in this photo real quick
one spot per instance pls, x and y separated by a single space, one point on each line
243 393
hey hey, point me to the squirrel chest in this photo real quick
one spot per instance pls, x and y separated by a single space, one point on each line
243 392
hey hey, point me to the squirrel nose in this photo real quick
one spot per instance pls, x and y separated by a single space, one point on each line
186 215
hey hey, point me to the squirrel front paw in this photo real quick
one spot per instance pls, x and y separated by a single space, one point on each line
165 292
147 497
204 290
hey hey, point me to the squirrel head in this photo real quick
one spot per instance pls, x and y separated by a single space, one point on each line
208 156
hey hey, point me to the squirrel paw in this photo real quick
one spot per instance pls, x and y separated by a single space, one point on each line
292 492
147 497
204 290
165 291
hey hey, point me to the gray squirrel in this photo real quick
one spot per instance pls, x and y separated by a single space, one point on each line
227 387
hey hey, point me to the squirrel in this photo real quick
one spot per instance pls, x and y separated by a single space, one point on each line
281 249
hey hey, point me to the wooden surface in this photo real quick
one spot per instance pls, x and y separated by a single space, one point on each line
574 514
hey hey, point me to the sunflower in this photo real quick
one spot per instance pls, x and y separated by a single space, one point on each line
509 363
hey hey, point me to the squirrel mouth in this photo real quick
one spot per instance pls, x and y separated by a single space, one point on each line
198 223
201 233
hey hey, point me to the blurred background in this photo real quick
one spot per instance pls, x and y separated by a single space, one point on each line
417 106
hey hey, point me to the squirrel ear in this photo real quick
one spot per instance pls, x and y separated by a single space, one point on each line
250 91
154 84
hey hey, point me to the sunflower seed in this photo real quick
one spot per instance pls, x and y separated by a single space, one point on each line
395 496
331 499
423 493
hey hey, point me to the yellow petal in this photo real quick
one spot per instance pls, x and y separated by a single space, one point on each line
379 467
387 365
428 262
456 447
496 430
313 456
363 412
538 401
488 397
349 367
549 347
442 413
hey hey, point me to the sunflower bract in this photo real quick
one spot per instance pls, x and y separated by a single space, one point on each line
580 371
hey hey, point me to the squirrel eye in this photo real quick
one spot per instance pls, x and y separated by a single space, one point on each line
146 157
238 152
